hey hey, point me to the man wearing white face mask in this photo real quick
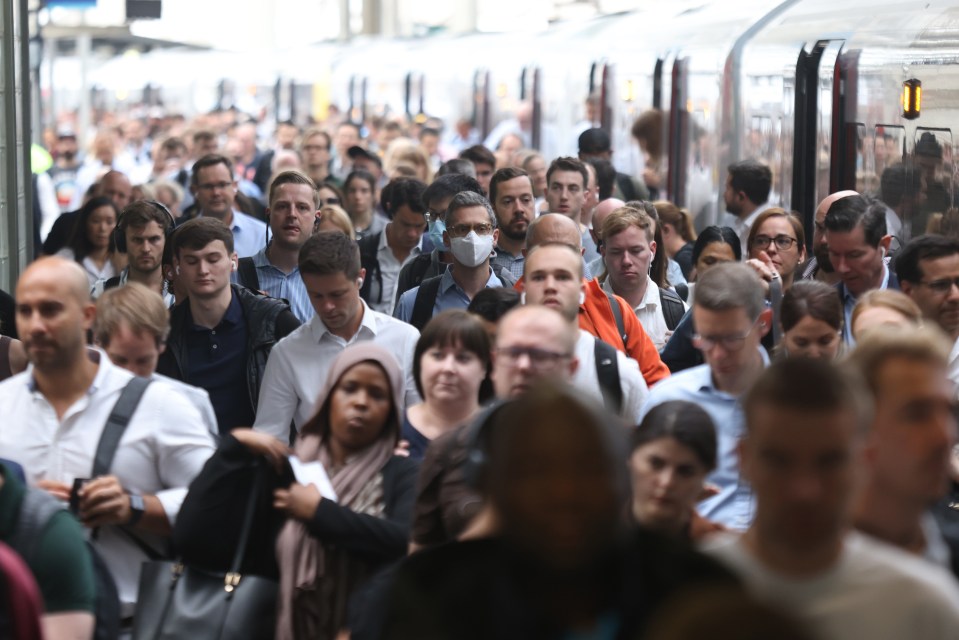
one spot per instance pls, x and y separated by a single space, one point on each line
470 235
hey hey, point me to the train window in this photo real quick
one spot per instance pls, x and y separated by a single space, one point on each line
933 164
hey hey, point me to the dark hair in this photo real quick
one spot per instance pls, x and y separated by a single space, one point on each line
503 175
465 199
899 181
925 247
173 143
79 241
449 185
594 140
199 232
209 160
360 174
812 298
492 304
685 422
330 252
428 131
403 192
455 327
478 154
809 385
332 187
457 165
712 234
142 213
605 177
846 213
752 178
567 163
649 127
777 212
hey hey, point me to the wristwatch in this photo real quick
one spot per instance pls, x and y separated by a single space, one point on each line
137 509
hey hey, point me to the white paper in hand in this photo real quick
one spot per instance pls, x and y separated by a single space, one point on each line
313 473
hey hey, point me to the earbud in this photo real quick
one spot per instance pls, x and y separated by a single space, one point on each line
582 297
233 262
522 297
359 282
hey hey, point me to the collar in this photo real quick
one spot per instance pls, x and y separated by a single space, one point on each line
232 317
95 354
650 298
705 375
847 295
319 330
448 283
751 218
383 246
514 256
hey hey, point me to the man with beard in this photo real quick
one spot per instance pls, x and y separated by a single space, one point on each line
511 194
141 233
746 196
819 267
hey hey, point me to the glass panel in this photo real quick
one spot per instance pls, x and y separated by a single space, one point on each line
932 160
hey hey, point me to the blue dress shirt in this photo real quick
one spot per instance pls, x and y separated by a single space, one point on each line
449 296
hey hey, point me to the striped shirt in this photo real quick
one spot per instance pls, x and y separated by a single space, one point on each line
289 286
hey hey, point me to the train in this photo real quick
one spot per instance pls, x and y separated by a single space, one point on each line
826 92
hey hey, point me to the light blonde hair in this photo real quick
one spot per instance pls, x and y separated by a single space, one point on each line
132 305
888 299
338 217
878 346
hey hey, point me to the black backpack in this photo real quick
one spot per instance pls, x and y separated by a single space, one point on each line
607 372
246 275
673 308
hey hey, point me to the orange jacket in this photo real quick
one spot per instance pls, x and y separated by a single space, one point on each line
596 317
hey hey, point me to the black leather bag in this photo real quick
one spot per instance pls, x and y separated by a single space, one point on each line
179 601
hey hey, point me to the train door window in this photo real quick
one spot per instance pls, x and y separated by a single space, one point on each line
932 159
867 181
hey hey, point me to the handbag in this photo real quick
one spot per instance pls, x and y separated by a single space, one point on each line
181 601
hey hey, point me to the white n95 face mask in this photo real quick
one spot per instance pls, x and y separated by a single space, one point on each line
471 250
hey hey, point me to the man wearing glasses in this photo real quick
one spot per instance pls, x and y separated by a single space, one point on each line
315 150
214 188
731 318
470 235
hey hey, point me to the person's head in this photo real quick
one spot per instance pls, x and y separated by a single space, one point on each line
802 452
483 161
566 181
533 342
883 307
329 264
360 191
779 234
66 145
554 227
470 229
857 242
170 194
403 201
747 186
928 155
730 316
914 426
286 133
93 230
54 313
555 474
457 165
204 143
452 360
204 257
132 326
605 178
329 194
511 194
928 270
553 276
535 166
333 218
360 404
144 227
491 304
900 187
213 185
347 135
293 201
672 452
429 140
600 213
819 247
595 143
715 245
811 317
628 248
117 187
648 131
675 221
315 148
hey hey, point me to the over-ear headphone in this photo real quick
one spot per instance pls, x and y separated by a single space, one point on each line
120 230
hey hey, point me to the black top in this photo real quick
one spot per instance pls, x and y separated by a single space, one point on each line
684 258
8 315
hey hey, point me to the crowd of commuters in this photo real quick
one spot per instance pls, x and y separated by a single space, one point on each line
474 392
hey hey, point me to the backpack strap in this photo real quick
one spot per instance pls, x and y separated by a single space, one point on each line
618 316
246 274
607 373
682 289
36 511
117 423
673 308
424 302
369 245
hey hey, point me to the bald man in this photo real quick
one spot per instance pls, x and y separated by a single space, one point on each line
818 267
55 414
596 312
600 213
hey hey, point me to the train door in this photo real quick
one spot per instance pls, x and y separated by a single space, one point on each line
819 110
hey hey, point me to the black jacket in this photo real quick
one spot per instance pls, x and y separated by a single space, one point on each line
267 321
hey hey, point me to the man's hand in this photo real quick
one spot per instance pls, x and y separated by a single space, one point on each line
56 489
103 501
299 501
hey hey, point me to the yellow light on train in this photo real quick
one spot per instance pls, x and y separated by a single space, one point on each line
911 99
629 91
501 90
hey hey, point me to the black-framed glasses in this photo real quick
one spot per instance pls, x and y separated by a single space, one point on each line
462 230
729 342
538 358
783 242
942 286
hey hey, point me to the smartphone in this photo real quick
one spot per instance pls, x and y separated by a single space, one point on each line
75 494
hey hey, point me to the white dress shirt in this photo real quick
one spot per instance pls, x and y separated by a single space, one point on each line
296 371
650 313
630 379
163 448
